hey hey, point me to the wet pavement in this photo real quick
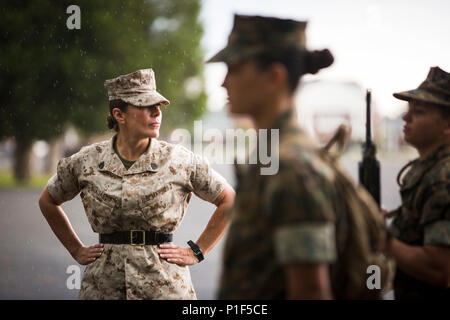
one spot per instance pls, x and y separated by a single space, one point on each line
34 264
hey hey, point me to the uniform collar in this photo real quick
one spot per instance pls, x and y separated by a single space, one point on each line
147 162
287 122
421 167
440 153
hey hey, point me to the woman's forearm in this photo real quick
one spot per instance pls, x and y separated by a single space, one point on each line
219 222
59 223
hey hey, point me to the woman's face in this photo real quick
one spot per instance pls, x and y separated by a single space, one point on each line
142 122
246 84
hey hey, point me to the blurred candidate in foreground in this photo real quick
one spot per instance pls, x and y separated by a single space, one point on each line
288 235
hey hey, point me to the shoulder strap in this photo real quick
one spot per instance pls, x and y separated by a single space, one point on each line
402 170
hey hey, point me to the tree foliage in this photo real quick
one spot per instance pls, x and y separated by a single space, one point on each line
53 76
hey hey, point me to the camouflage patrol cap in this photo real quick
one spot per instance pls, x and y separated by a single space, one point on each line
252 35
435 89
137 88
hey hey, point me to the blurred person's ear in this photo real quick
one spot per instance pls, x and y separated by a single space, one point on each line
118 115
277 76
447 129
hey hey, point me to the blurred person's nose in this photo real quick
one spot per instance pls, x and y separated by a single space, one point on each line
406 116
225 81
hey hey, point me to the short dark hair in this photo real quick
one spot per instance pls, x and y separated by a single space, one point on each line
297 62
117 103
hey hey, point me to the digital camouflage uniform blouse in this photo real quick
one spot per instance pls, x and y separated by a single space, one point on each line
424 217
153 194
279 219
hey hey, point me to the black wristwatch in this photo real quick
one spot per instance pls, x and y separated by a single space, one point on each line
197 252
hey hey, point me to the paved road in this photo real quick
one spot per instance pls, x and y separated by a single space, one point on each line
33 263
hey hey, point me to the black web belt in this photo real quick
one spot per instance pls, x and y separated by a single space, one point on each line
136 237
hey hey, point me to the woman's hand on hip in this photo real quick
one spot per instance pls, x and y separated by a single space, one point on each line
87 255
176 254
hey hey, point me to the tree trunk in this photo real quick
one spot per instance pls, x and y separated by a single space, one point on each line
54 154
22 157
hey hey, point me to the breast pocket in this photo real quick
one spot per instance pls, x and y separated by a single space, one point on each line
99 210
155 202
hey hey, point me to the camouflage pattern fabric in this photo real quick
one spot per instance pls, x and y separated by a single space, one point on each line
153 194
137 88
252 35
424 216
279 219
435 89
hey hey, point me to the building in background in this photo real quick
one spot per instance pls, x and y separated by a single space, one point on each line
322 105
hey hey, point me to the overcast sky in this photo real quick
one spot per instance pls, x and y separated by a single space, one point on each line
385 45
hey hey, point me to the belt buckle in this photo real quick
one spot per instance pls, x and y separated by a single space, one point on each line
131 238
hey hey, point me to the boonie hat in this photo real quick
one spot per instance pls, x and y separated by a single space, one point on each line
253 35
435 89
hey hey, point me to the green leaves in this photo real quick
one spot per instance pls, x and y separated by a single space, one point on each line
53 76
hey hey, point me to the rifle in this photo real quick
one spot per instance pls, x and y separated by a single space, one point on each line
369 167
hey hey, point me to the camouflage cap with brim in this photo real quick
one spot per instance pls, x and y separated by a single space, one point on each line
137 88
253 35
435 89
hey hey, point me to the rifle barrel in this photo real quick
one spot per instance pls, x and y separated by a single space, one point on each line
368 127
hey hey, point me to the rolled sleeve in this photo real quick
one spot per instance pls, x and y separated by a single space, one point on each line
63 186
206 182
437 233
306 242
437 203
